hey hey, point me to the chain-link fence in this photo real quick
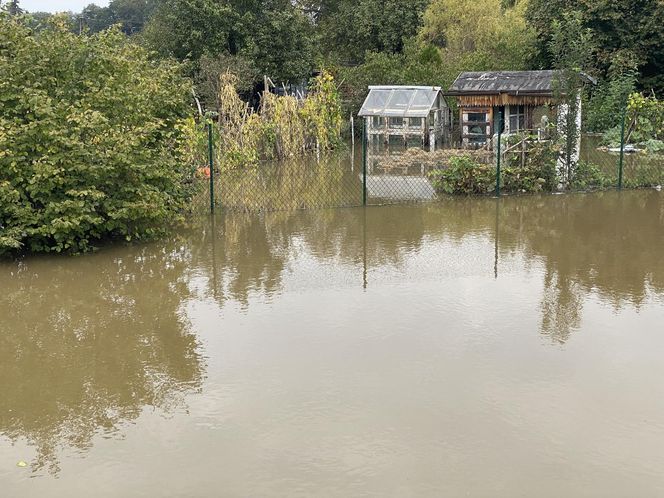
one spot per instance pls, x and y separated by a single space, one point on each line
528 162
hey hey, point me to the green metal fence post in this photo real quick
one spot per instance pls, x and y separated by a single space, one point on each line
364 161
622 147
211 163
500 132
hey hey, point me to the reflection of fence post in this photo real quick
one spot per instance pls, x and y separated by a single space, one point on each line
211 164
364 162
500 132
622 147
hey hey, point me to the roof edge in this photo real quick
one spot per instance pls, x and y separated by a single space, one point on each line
404 87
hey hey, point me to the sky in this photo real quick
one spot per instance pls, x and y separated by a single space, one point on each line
58 5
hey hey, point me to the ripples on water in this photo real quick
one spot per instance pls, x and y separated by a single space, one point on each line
472 346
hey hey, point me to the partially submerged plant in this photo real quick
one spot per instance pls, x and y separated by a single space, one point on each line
282 127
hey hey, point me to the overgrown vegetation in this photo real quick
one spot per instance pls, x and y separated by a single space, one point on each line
465 176
530 169
90 139
282 127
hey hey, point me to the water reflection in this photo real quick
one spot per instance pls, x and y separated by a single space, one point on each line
86 343
602 243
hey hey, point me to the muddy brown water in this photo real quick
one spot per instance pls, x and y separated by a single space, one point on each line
470 347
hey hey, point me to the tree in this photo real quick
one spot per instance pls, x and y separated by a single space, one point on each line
90 138
628 31
479 35
131 15
272 35
186 29
97 18
349 28
281 43
13 8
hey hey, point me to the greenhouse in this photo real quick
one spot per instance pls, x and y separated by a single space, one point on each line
405 112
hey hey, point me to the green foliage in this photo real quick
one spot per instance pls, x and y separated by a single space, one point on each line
654 146
588 176
418 65
274 37
210 76
607 104
131 15
464 176
644 122
533 172
650 113
349 28
455 36
186 29
622 32
479 36
284 126
280 42
89 139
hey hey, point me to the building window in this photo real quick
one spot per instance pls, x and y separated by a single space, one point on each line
476 127
517 118
476 117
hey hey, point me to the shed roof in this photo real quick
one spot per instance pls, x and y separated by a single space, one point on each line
509 82
400 101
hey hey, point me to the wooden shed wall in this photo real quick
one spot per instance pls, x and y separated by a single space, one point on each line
503 99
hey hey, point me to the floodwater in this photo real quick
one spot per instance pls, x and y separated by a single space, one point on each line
470 347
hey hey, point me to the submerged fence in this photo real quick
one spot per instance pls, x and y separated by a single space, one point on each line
525 162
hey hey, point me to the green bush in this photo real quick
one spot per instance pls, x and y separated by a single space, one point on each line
653 146
536 174
587 176
90 139
465 176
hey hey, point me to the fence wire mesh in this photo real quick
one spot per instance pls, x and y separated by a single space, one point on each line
409 173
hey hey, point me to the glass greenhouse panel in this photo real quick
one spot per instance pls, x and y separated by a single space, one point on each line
375 103
423 102
400 101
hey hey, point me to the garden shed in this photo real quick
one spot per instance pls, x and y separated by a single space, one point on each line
521 100
406 112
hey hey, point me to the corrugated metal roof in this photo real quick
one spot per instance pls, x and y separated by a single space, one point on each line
511 82
400 101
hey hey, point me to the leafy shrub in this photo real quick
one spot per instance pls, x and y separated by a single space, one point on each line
606 106
587 176
536 174
464 176
90 139
611 137
654 145
644 121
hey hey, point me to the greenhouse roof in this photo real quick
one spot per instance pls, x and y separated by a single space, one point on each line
400 101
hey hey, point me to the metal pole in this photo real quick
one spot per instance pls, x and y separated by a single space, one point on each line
500 132
364 162
211 162
622 147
